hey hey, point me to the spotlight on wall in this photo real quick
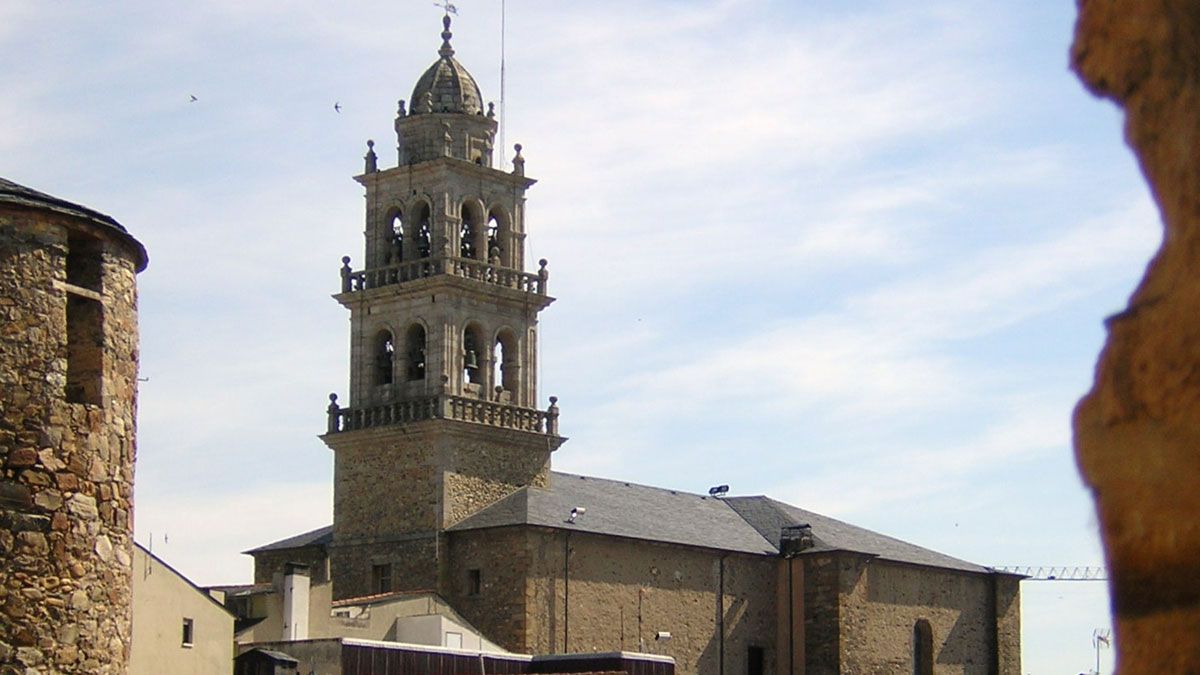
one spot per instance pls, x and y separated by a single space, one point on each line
663 636
575 513
718 491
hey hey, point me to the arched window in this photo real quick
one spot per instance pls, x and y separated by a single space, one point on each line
498 236
423 234
505 363
414 347
922 648
395 248
472 355
471 236
385 357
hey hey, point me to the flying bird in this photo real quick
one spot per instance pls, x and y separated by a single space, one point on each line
194 99
337 107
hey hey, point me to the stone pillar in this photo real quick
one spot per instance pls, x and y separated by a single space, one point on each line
1137 432
68 378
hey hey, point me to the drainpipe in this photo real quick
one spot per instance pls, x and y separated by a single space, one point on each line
721 614
566 590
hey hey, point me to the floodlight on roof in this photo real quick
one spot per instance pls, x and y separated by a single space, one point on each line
718 491
575 513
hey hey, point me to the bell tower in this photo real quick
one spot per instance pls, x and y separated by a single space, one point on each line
443 416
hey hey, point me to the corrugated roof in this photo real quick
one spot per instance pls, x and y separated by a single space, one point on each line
15 193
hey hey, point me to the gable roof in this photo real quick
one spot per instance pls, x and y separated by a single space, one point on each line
624 509
769 516
321 536
621 509
179 575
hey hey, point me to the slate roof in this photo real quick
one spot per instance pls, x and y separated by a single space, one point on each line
19 195
318 537
624 510
621 509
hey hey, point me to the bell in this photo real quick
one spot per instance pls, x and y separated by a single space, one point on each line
471 361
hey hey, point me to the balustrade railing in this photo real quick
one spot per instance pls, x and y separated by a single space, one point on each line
447 406
467 268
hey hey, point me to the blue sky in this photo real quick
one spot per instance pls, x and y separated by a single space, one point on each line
851 255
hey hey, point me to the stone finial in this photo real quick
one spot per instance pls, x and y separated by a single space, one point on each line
447 139
372 162
334 411
518 161
400 111
491 110
499 391
345 274
494 256
446 50
543 277
552 417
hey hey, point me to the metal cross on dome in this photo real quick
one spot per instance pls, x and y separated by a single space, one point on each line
447 7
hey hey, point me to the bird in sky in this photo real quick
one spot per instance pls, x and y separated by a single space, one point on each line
337 107
194 99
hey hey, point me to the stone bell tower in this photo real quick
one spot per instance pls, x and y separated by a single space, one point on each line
442 418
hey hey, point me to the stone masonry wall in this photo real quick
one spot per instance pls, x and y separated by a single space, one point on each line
622 592
822 615
66 469
882 601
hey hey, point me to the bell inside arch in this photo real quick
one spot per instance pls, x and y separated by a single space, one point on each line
471 360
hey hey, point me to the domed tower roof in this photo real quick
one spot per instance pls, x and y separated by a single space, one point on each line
446 87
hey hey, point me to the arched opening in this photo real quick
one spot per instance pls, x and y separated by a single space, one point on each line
414 349
498 236
472 355
472 240
922 648
506 364
384 357
422 231
394 251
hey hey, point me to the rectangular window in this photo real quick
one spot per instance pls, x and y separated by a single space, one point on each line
187 632
381 578
474 582
755 657
84 259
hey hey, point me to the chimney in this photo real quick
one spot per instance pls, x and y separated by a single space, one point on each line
295 602
794 539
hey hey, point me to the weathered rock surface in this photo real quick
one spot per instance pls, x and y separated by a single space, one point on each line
1137 433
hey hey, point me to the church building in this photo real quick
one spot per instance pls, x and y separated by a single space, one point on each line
443 481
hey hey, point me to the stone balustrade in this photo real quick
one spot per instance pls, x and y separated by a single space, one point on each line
466 268
446 406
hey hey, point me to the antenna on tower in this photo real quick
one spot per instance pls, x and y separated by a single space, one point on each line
503 147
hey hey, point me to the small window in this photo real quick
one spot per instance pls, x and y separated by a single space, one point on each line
85 350
385 356
84 259
188 633
755 658
381 578
474 582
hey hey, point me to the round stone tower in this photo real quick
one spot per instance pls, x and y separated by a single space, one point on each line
68 389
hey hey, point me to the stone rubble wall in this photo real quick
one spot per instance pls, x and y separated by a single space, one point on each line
66 469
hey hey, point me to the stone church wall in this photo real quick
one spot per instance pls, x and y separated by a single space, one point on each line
66 468
881 603
619 594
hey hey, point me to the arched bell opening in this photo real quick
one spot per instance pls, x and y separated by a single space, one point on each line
473 358
421 225
922 648
506 364
499 236
393 237
472 237
383 357
414 352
